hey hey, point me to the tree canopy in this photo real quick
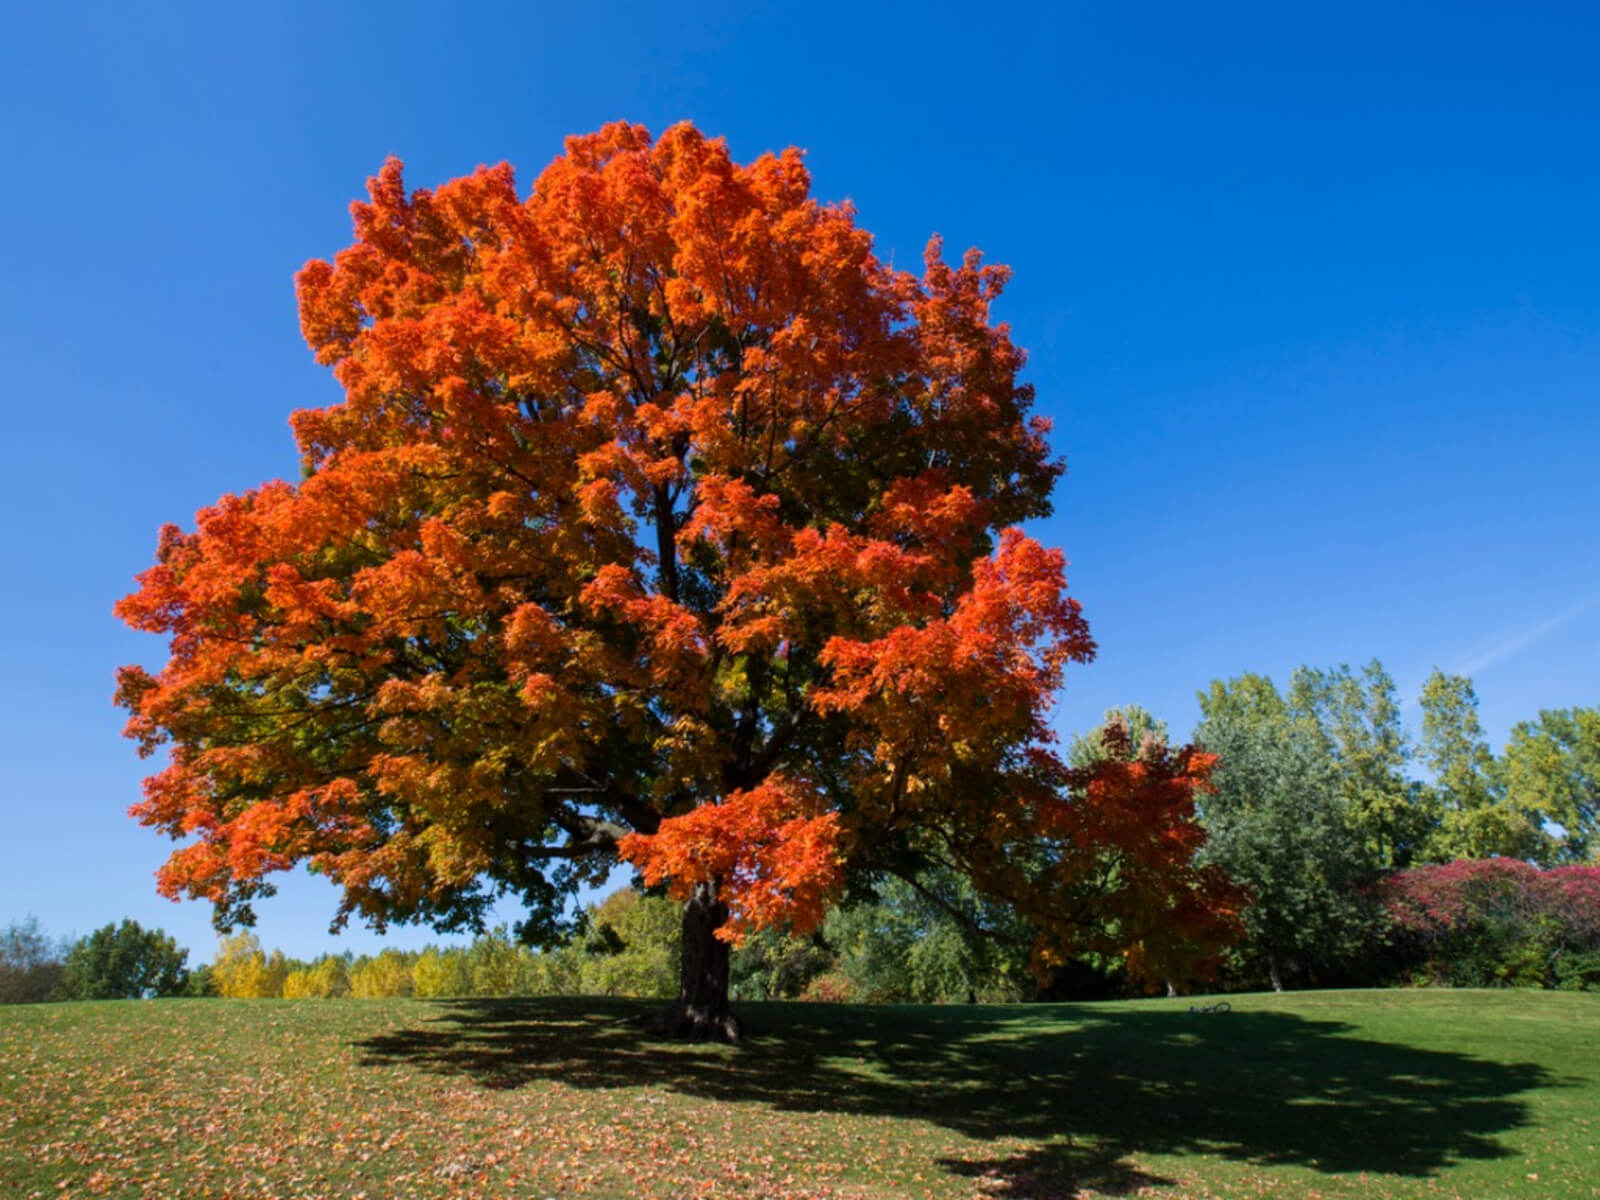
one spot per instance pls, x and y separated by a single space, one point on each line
659 519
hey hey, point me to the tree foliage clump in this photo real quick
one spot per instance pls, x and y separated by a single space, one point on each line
1353 722
935 942
633 947
1477 818
776 964
439 974
1142 729
385 974
1317 794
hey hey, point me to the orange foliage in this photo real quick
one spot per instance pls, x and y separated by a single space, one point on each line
1122 837
774 849
658 516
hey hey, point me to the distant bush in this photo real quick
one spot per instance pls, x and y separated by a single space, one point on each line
916 944
776 965
31 964
1579 972
831 988
1494 922
202 981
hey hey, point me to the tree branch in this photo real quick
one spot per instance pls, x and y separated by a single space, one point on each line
589 834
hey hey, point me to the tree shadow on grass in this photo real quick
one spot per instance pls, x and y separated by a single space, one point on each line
1088 1086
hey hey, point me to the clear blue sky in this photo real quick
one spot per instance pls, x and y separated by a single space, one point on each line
1315 302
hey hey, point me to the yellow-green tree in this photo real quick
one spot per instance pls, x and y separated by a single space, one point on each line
445 972
500 967
387 974
1552 767
326 979
243 971
1478 819
633 946
1357 719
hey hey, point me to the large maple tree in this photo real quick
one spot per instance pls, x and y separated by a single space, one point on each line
660 521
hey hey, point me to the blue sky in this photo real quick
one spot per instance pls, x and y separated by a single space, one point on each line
1313 299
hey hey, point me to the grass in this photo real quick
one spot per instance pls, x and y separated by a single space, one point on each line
1335 1094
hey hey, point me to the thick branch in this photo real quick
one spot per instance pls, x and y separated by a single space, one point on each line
782 738
607 794
588 834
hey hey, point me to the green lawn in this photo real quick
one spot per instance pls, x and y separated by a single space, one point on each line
1334 1094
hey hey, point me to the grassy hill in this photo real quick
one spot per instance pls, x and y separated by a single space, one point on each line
1334 1094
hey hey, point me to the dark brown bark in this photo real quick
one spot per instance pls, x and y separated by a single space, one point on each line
701 1012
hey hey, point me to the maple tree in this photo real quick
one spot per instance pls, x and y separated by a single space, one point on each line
659 520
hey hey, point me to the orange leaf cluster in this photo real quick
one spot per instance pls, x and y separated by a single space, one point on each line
1120 876
775 849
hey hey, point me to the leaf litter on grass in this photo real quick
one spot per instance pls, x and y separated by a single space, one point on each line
418 1100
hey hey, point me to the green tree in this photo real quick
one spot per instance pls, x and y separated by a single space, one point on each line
1478 819
500 966
1088 749
931 940
556 971
778 964
1277 824
633 947
1552 768
124 961
202 981
1358 719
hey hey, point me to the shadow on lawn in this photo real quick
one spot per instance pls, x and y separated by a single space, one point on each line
1260 1087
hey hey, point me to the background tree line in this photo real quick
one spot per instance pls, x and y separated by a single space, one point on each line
118 961
1323 802
1367 859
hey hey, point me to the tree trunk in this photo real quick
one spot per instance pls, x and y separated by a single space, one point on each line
701 1012
1274 973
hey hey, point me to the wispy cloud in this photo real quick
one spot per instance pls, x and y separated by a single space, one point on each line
1519 642
1515 644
